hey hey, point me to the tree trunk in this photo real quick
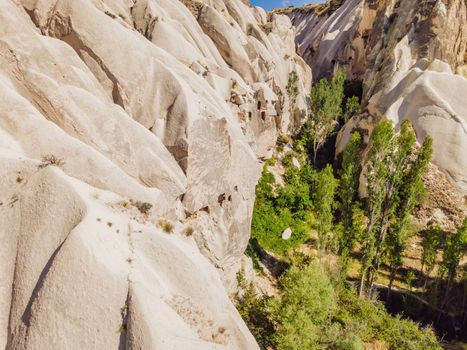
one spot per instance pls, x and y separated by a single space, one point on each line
362 284
379 243
369 282
315 151
391 280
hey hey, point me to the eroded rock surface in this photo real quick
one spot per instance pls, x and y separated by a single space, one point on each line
409 57
130 133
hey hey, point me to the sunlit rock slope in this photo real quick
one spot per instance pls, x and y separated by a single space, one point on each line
130 133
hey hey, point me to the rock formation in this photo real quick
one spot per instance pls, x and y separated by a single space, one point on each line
130 133
405 54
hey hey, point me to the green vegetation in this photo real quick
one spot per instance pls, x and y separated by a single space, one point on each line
453 251
50 159
324 192
328 104
166 226
313 312
394 181
292 88
278 208
352 107
302 311
430 244
352 217
317 307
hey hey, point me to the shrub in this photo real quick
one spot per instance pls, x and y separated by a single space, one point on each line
166 226
372 322
143 207
189 231
50 159
304 307
311 313
254 312
352 107
284 139
278 208
125 203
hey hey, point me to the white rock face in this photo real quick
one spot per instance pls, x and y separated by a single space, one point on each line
326 41
434 100
142 104
404 54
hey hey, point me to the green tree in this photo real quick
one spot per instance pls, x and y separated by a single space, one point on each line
397 161
393 175
292 90
303 309
430 244
310 313
454 250
280 207
324 192
348 192
352 107
377 173
326 106
254 312
396 244
409 193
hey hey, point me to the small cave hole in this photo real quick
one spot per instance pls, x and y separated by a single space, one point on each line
205 209
221 198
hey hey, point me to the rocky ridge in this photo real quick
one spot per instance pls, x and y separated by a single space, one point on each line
130 137
409 57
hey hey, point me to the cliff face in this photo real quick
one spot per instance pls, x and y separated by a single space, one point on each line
405 53
363 35
130 133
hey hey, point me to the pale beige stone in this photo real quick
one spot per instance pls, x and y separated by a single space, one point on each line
141 103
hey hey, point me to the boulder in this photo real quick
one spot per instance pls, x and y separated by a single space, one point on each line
287 234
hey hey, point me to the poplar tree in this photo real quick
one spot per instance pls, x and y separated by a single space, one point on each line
326 106
325 189
430 244
376 174
408 194
454 250
393 175
348 193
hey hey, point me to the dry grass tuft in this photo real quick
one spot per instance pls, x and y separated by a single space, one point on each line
50 159
166 226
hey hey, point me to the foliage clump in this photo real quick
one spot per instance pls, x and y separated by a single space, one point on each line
393 177
304 307
316 308
328 105
166 226
189 231
313 311
143 207
280 207
51 159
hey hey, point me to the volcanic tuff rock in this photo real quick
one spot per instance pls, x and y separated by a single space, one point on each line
405 54
129 138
